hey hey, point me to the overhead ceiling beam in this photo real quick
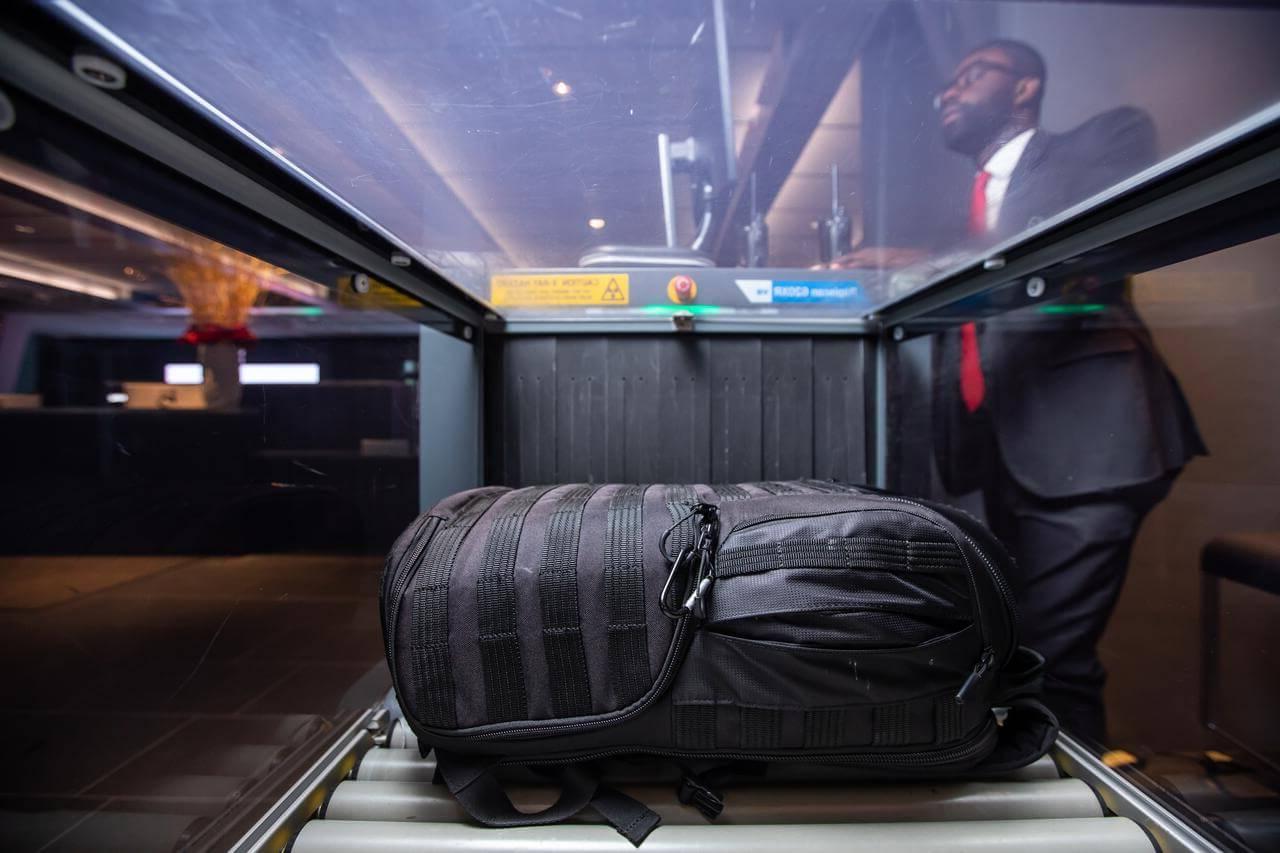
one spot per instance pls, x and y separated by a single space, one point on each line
804 73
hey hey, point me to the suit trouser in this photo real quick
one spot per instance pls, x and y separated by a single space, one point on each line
1071 556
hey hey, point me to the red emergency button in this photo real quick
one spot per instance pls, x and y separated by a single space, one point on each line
682 289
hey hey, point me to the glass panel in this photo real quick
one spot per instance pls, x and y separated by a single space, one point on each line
1117 431
523 138
188 572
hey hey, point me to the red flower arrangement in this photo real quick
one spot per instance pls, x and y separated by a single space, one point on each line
212 333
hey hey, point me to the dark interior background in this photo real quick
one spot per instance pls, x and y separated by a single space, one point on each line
639 408
284 472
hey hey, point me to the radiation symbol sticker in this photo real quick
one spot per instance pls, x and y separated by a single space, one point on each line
613 292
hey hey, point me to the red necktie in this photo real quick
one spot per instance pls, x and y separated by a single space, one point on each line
978 204
973 387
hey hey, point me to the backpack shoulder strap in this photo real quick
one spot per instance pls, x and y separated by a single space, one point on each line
478 790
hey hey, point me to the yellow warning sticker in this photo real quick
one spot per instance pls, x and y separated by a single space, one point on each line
523 291
365 292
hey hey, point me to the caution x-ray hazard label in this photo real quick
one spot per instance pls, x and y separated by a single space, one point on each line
524 291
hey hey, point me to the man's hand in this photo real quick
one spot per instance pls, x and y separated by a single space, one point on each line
879 257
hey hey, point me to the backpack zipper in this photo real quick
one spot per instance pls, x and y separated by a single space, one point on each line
532 730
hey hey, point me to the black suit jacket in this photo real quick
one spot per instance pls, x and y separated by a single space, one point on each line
1075 404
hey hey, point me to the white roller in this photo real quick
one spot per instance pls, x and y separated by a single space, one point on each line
401 737
799 804
405 765
1095 835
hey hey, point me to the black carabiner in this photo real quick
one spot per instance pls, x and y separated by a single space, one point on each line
663 602
702 574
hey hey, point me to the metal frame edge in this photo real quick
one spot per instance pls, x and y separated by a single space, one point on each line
274 830
1126 799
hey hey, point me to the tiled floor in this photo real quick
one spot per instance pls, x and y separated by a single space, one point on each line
143 698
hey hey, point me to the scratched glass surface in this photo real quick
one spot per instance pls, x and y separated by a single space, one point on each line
834 147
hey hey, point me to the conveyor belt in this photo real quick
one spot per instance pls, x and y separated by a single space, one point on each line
387 802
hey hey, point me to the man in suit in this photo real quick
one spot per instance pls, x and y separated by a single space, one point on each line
1069 423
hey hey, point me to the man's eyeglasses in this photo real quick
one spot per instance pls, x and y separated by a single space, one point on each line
966 78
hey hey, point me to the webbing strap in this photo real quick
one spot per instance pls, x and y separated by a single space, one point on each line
759 728
825 727
781 488
478 790
433 673
948 720
625 595
693 724
891 725
561 619
500 660
680 503
857 552
730 492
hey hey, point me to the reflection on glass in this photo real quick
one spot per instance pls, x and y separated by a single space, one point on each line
1073 428
498 138
1117 432
990 113
188 572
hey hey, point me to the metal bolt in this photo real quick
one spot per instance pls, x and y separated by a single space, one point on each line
467 333
996 263
1035 287
8 115
400 259
899 333
682 321
98 71
360 283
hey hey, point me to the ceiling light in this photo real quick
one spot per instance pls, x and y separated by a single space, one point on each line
24 229
596 222
562 88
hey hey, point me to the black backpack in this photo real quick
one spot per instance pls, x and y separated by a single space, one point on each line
727 628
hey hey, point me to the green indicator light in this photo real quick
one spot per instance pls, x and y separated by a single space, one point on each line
311 311
1083 308
676 309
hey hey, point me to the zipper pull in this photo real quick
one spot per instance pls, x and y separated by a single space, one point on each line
979 669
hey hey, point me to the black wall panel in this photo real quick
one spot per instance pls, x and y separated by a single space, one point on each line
670 408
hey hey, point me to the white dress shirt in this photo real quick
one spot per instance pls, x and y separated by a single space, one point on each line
1000 166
